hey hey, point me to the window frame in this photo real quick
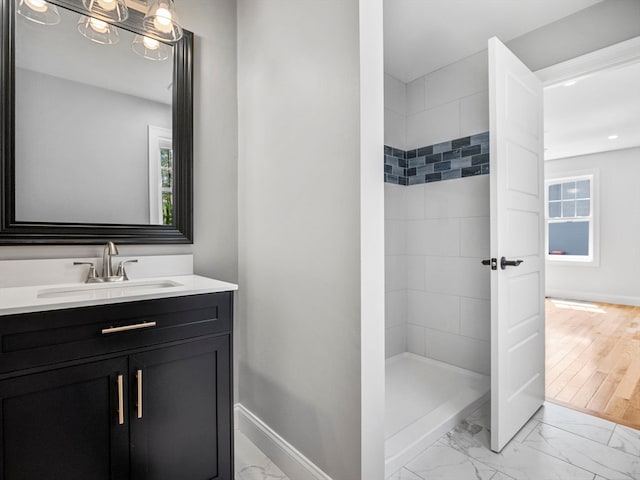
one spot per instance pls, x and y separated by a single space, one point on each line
592 259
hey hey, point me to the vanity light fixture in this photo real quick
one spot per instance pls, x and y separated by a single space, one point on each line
150 48
161 21
39 11
112 10
98 31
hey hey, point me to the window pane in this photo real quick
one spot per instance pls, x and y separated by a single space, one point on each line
582 189
569 190
583 208
555 209
554 191
569 208
569 238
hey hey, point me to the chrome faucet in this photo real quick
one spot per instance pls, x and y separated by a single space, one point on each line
110 251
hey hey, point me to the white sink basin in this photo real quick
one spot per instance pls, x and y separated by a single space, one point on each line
107 290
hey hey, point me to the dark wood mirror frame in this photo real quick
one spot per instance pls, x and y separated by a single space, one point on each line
13 232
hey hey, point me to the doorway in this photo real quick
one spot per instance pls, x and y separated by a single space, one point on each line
591 151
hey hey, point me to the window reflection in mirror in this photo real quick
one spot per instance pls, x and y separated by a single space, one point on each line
84 117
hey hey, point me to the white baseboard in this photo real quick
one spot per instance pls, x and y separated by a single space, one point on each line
594 297
292 463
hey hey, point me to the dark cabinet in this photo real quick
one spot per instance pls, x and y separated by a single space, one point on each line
154 404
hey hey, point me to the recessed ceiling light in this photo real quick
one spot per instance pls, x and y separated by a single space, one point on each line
612 137
570 83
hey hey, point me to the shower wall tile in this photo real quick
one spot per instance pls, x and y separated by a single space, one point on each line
457 350
395 340
474 237
434 125
395 237
414 202
395 272
475 318
433 237
458 198
457 276
434 310
415 272
395 201
474 112
416 338
395 308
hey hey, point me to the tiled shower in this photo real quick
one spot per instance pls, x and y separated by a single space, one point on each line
436 167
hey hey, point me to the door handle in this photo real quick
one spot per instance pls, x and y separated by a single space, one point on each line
504 263
491 262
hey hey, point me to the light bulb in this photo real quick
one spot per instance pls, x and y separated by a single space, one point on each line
108 5
150 43
98 25
37 5
163 21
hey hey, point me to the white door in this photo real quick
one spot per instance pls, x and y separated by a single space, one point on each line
517 233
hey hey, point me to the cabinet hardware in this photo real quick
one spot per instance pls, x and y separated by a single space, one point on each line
106 331
120 401
139 403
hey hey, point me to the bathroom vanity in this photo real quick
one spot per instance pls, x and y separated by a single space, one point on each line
117 381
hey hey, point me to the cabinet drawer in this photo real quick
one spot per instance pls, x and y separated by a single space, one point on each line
42 338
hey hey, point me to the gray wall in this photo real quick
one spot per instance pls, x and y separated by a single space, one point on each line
601 25
81 151
299 262
215 144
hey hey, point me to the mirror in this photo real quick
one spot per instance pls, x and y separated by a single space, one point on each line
99 136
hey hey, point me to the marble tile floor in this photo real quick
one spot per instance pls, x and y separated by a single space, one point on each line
251 463
557 443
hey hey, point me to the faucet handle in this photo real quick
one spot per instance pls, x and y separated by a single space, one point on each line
92 271
121 271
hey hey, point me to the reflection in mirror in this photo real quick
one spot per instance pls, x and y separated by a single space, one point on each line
93 124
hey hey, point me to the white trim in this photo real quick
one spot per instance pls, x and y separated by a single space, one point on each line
615 56
157 136
293 463
593 297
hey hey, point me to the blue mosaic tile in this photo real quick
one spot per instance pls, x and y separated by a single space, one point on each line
391 178
439 167
442 147
469 151
448 175
480 159
471 171
461 142
480 138
462 157
398 153
415 162
461 162
451 154
424 169
421 152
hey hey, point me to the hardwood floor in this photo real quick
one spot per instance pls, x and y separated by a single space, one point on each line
593 358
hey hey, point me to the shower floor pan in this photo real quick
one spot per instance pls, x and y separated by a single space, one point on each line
424 400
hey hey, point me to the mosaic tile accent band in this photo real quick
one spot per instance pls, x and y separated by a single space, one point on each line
463 157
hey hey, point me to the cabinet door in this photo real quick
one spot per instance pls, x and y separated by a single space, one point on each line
181 413
64 424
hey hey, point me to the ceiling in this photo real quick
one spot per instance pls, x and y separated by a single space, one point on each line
578 119
421 36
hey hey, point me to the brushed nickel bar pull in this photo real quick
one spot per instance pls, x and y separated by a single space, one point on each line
139 403
120 400
106 331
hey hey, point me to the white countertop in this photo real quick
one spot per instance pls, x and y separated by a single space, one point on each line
38 298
